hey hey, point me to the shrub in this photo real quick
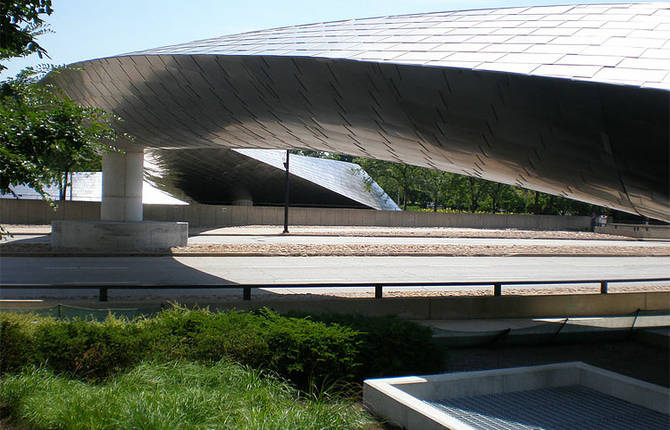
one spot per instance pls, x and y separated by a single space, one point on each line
296 348
17 341
390 346
313 352
305 351
87 349
309 352
200 335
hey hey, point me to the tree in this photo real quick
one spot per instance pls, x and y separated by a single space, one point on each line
323 154
478 189
458 192
44 135
435 183
402 178
20 23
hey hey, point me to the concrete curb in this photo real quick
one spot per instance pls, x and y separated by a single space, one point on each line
300 254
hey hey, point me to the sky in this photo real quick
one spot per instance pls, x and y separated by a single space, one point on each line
88 29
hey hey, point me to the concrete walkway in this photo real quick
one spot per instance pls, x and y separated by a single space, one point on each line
188 271
209 270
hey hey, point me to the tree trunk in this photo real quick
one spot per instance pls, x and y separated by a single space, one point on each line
62 186
495 196
473 197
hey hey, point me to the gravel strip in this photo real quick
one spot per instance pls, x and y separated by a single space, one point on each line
310 250
370 231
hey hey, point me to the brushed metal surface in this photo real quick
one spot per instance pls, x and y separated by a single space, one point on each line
599 140
225 176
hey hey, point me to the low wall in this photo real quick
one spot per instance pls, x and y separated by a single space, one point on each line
477 307
205 215
432 308
116 235
17 211
38 212
642 231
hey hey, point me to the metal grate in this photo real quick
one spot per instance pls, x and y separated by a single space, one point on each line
558 408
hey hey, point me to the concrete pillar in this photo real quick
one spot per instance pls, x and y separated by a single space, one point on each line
120 227
122 179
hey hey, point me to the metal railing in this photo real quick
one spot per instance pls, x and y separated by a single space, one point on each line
378 286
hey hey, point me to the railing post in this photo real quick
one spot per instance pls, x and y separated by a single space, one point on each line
102 295
378 291
246 293
497 289
603 287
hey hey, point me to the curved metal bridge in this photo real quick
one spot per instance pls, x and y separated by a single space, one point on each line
568 100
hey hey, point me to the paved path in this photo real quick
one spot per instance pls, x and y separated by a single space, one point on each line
237 270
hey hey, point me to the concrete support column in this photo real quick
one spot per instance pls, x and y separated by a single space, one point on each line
122 179
118 235
120 227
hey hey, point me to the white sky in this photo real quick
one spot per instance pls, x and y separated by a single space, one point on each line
87 29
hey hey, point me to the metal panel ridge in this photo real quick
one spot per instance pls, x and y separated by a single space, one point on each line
618 43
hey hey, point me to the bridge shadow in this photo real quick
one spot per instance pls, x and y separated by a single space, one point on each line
126 278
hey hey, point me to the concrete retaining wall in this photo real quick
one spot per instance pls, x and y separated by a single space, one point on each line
39 212
641 231
17 211
118 235
478 307
431 308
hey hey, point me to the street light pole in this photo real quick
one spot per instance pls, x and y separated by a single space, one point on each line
286 194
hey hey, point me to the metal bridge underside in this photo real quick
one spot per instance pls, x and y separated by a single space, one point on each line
600 143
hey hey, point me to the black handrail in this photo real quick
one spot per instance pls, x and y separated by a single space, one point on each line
246 288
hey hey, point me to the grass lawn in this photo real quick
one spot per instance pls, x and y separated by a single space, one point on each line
174 395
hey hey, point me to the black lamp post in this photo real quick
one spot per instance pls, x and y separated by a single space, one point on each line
286 194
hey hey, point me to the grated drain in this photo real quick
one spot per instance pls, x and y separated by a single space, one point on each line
559 408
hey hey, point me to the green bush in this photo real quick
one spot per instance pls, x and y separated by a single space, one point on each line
304 351
313 352
309 352
200 335
296 348
88 349
390 346
17 340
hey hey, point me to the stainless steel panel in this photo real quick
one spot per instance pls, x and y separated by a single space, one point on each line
600 137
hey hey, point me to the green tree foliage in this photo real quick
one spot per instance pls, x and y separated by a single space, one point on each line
44 135
20 23
398 180
434 183
421 187
323 154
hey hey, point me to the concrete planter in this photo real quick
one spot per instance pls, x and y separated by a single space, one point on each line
116 235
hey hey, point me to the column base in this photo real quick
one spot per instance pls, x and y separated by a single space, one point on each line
117 235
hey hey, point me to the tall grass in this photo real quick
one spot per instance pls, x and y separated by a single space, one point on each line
174 395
